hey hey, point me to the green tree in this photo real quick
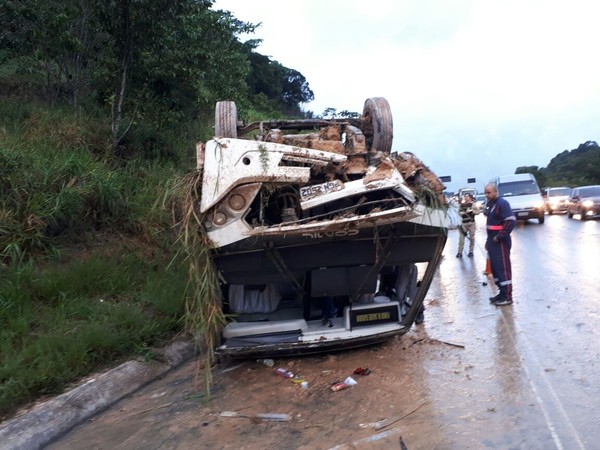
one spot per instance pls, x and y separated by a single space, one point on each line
575 167
170 58
57 41
285 88
329 113
153 67
539 175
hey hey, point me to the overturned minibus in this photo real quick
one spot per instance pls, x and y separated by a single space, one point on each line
323 238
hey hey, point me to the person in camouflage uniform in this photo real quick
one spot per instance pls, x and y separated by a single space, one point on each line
467 227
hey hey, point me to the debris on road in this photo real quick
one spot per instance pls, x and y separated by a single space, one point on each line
389 421
370 439
364 371
273 417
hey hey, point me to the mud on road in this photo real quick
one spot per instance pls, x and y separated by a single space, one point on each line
172 413
525 378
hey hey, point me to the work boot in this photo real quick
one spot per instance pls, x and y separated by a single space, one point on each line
497 297
459 255
420 318
470 255
503 301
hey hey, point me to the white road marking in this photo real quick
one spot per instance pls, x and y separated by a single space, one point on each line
556 400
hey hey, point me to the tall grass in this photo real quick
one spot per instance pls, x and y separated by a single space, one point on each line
87 269
53 183
203 316
61 321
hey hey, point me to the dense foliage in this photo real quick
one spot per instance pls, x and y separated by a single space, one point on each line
87 267
571 168
151 69
101 103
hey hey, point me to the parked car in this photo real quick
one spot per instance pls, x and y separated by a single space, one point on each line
555 199
585 201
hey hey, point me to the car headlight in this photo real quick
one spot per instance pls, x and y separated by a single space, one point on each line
588 203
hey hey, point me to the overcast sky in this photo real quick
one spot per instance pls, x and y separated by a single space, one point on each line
477 87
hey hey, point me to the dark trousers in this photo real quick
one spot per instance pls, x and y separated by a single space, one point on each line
500 262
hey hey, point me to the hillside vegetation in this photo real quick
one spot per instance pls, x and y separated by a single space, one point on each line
571 168
87 267
101 106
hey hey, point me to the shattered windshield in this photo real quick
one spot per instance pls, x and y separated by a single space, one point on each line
511 189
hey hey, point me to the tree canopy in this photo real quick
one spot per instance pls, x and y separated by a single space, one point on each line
161 62
577 167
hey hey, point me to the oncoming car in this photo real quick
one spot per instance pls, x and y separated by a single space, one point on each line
585 201
523 194
555 199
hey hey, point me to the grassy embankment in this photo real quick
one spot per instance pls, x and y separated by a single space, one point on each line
87 269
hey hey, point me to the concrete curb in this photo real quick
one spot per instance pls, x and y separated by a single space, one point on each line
48 421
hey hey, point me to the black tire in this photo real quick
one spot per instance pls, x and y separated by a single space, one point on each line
226 119
569 214
377 126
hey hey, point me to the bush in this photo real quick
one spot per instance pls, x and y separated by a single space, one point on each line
86 253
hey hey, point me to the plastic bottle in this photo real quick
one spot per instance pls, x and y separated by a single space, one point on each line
339 386
274 417
284 373
266 362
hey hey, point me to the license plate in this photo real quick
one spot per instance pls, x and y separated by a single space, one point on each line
521 214
377 315
316 190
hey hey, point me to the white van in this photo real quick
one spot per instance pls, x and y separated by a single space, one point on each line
305 229
523 194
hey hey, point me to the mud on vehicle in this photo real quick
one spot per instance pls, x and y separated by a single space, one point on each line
322 237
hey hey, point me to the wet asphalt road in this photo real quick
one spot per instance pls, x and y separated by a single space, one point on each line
527 378
547 343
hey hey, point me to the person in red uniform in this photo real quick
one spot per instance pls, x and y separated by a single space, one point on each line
500 223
